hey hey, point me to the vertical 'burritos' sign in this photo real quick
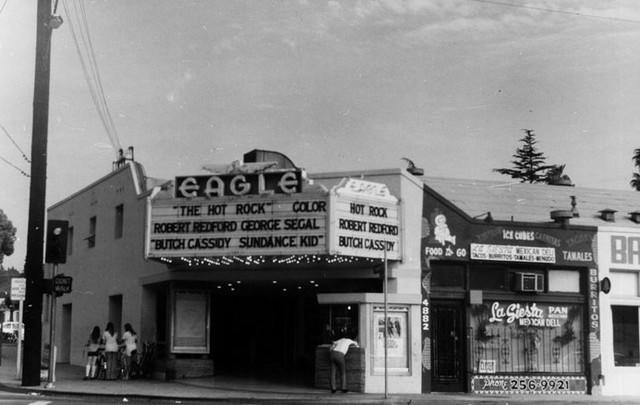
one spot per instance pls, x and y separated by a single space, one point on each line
364 219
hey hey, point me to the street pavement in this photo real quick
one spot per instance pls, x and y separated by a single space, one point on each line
69 381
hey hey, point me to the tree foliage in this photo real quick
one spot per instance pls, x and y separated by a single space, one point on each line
555 176
635 180
7 236
528 163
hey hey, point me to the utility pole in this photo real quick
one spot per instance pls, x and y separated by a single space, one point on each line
33 269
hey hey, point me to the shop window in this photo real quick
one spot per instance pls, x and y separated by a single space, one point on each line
397 339
624 283
487 277
526 337
564 281
119 221
625 336
447 275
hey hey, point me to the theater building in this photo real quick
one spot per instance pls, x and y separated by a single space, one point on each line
507 274
249 270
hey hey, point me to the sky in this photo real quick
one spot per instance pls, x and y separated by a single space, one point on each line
334 85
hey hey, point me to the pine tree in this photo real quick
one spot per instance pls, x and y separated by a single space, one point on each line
528 163
635 180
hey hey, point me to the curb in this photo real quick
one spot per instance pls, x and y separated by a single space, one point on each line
275 399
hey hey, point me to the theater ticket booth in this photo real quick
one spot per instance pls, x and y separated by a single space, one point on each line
264 267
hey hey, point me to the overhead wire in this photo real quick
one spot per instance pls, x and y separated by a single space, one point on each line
94 63
88 62
557 11
3 5
90 70
15 167
24 156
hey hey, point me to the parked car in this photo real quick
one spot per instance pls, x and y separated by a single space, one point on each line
10 331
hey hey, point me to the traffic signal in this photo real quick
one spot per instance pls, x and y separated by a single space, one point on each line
56 251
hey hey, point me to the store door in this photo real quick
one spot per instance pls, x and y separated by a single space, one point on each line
447 347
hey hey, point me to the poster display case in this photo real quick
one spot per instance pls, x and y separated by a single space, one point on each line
190 332
397 339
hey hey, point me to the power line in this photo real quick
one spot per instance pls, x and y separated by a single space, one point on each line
14 142
14 166
558 11
88 62
3 5
89 67
97 74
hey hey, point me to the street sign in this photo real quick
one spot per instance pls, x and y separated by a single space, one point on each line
18 288
62 284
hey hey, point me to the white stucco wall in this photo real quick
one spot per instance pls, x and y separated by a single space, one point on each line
112 267
617 380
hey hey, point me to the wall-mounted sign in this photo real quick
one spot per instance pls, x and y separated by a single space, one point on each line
625 249
509 253
243 226
529 314
443 232
364 220
447 233
220 185
519 384
533 245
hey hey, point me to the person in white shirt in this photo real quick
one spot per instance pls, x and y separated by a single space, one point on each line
93 344
110 341
130 342
337 352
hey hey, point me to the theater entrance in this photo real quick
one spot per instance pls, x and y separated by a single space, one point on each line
270 330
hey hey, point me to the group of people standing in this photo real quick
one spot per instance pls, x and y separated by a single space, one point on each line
109 343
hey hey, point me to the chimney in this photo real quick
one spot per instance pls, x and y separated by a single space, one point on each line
574 207
608 215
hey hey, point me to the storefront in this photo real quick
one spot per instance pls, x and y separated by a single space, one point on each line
619 254
506 305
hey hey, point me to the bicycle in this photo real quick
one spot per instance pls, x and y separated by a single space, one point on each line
146 360
101 366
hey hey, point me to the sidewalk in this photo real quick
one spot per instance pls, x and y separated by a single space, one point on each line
69 381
